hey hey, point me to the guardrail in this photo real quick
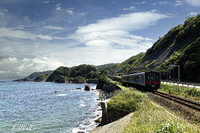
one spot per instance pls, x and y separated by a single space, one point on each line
184 84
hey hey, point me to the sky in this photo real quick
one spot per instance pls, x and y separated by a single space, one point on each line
39 35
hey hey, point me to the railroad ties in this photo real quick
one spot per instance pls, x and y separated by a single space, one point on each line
189 103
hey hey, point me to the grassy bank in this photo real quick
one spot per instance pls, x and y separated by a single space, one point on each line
147 117
127 101
190 93
156 119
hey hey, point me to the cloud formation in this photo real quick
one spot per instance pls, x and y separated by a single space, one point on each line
129 22
179 3
116 31
21 34
51 27
192 14
129 9
16 67
70 11
193 2
107 40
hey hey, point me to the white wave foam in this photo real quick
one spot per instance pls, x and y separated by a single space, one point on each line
60 95
88 124
77 130
82 103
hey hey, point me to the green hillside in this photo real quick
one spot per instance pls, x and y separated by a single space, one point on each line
77 74
36 76
126 67
107 66
42 77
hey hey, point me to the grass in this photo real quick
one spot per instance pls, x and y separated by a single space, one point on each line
152 119
185 92
147 117
127 101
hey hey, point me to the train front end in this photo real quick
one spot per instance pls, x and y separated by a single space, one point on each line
152 80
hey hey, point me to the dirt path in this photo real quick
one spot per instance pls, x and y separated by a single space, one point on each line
114 127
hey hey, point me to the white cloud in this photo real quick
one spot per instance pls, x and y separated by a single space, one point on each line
20 34
163 3
192 14
70 11
46 2
139 3
179 2
82 14
129 9
19 68
58 7
193 2
128 22
116 31
3 10
53 27
160 3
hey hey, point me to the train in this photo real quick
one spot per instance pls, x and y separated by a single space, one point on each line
147 80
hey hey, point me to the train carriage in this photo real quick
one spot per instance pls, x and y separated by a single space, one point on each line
150 80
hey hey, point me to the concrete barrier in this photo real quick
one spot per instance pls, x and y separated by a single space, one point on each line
104 113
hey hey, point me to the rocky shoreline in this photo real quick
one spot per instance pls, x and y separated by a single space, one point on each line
105 93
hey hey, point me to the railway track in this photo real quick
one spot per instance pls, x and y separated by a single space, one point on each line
189 103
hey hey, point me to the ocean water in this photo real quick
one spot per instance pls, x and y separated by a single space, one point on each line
33 107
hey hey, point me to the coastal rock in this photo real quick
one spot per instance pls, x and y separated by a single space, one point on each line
23 80
110 88
87 87
98 115
98 120
55 92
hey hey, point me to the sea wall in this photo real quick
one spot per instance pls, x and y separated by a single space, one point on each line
106 91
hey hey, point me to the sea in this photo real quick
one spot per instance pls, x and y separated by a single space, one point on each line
45 107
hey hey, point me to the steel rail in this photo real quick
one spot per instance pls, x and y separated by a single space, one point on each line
192 104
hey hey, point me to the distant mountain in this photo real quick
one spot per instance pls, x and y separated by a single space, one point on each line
35 76
180 46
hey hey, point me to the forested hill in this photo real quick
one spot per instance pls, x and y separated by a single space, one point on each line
180 46
38 76
76 74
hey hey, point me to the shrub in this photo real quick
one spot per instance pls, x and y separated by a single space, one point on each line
193 92
171 127
127 101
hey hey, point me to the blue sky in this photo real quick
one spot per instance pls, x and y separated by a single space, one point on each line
38 35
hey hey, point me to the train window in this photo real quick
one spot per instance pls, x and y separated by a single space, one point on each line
147 76
157 76
151 76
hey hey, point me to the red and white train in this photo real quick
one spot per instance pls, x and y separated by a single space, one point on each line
149 80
